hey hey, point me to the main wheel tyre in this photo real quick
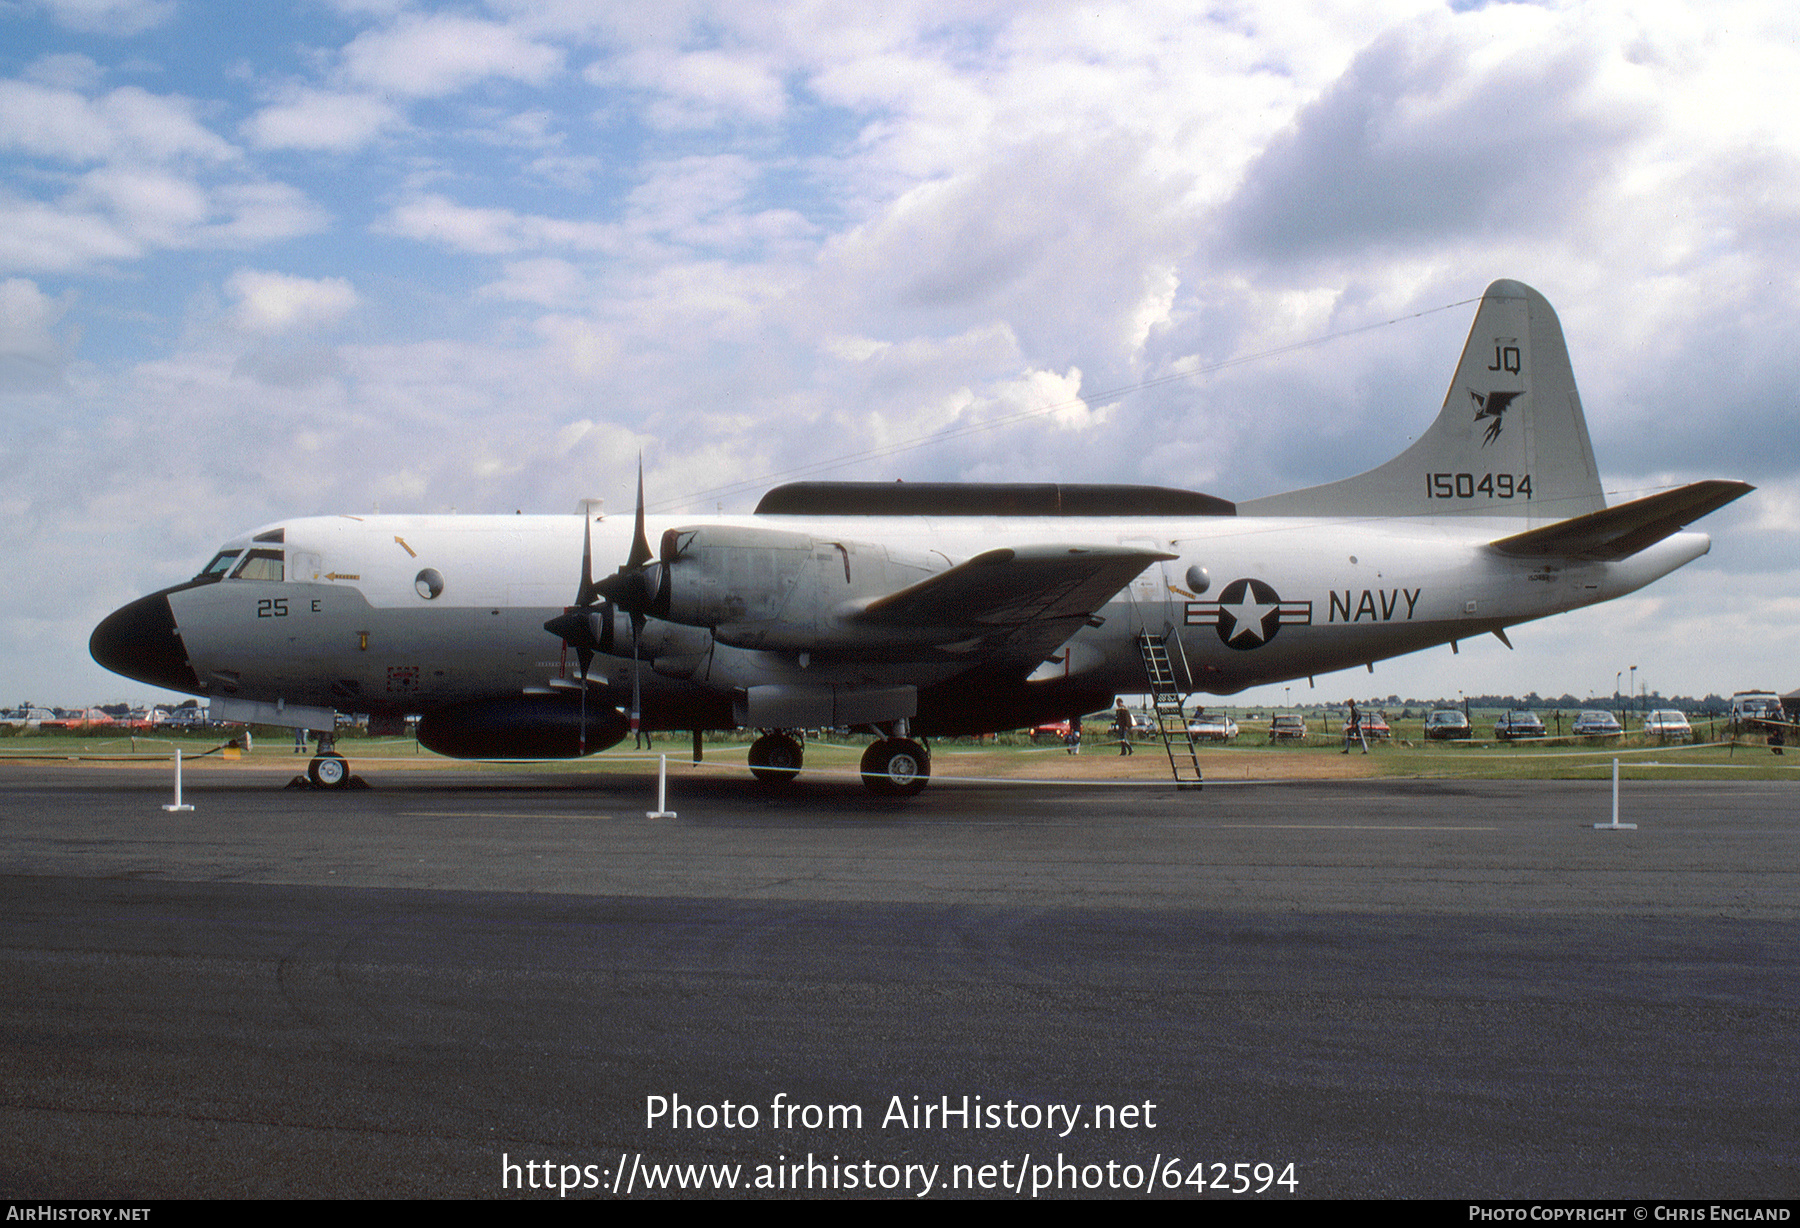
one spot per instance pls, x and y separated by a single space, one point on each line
775 758
896 767
328 772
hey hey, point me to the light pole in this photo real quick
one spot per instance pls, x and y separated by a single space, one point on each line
1618 674
1633 685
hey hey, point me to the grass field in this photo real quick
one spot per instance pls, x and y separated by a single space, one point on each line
1249 758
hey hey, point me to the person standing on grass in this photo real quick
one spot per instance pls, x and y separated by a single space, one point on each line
1353 730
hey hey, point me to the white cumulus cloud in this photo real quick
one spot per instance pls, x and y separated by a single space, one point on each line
321 119
31 354
493 232
270 304
118 17
428 57
127 123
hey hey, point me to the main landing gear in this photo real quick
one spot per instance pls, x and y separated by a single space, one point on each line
775 758
896 767
893 766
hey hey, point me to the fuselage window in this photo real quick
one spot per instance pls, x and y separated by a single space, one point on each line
221 564
260 565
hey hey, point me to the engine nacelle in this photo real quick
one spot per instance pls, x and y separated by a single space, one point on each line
521 727
765 588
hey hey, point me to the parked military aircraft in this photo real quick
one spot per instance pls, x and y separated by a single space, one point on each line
915 610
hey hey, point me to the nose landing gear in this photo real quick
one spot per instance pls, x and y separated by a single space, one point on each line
328 770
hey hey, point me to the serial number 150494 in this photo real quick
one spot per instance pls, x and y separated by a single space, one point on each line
1477 486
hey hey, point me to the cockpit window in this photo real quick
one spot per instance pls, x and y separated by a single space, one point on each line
221 564
260 565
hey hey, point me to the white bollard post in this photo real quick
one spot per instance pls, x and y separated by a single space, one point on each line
1615 825
178 802
662 810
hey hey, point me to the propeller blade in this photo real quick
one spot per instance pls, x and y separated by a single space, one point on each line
637 627
584 595
657 588
581 741
640 544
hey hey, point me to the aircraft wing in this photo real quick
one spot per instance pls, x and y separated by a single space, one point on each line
1012 605
1619 532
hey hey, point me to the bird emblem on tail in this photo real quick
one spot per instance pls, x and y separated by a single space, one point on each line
1494 405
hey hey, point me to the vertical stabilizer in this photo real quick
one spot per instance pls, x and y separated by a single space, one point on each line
1510 440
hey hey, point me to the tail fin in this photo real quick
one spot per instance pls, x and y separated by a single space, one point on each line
1510 440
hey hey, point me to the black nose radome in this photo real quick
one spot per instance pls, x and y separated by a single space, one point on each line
141 641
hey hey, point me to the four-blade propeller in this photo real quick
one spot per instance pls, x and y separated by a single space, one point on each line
587 625
636 586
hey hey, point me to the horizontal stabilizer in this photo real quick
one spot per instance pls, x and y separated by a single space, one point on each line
1620 532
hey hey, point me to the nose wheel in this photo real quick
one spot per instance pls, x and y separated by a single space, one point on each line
328 771
896 767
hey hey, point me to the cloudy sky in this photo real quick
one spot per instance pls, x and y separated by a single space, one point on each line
362 254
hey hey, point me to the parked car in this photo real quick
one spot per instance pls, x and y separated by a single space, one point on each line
1750 709
1669 725
1054 731
1205 728
1590 724
1514 725
1446 723
27 716
1287 727
1374 725
78 718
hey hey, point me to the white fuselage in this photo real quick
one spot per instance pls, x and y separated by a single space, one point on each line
354 625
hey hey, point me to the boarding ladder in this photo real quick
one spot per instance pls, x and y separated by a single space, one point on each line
1171 721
